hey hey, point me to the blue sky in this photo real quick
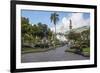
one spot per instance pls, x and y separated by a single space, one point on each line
78 19
86 15
44 16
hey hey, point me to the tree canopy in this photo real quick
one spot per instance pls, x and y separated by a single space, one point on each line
32 33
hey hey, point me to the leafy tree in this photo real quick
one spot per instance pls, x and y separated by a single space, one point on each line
33 34
85 36
80 40
24 20
74 36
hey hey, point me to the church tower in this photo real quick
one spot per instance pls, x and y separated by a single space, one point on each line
70 25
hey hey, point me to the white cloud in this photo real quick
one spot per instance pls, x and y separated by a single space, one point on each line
77 21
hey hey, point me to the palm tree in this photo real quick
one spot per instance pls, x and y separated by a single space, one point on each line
54 18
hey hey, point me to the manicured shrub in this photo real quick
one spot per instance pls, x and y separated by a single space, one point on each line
41 46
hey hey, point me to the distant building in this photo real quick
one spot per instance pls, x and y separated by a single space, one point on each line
61 37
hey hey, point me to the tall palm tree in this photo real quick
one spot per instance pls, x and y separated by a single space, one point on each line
54 18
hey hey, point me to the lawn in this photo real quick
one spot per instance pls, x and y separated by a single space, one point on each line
34 50
85 51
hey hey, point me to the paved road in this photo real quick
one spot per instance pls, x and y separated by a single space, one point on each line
58 54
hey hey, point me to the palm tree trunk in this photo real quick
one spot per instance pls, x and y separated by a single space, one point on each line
55 36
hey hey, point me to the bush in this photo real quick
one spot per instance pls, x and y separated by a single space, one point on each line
75 46
41 46
26 46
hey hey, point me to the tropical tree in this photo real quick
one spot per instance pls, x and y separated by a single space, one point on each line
24 28
85 36
54 18
34 34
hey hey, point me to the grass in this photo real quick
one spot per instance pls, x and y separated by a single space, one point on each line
34 50
85 52
70 50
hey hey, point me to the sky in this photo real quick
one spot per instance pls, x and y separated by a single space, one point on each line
78 19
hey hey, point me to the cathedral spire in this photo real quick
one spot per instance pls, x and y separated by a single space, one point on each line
70 25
